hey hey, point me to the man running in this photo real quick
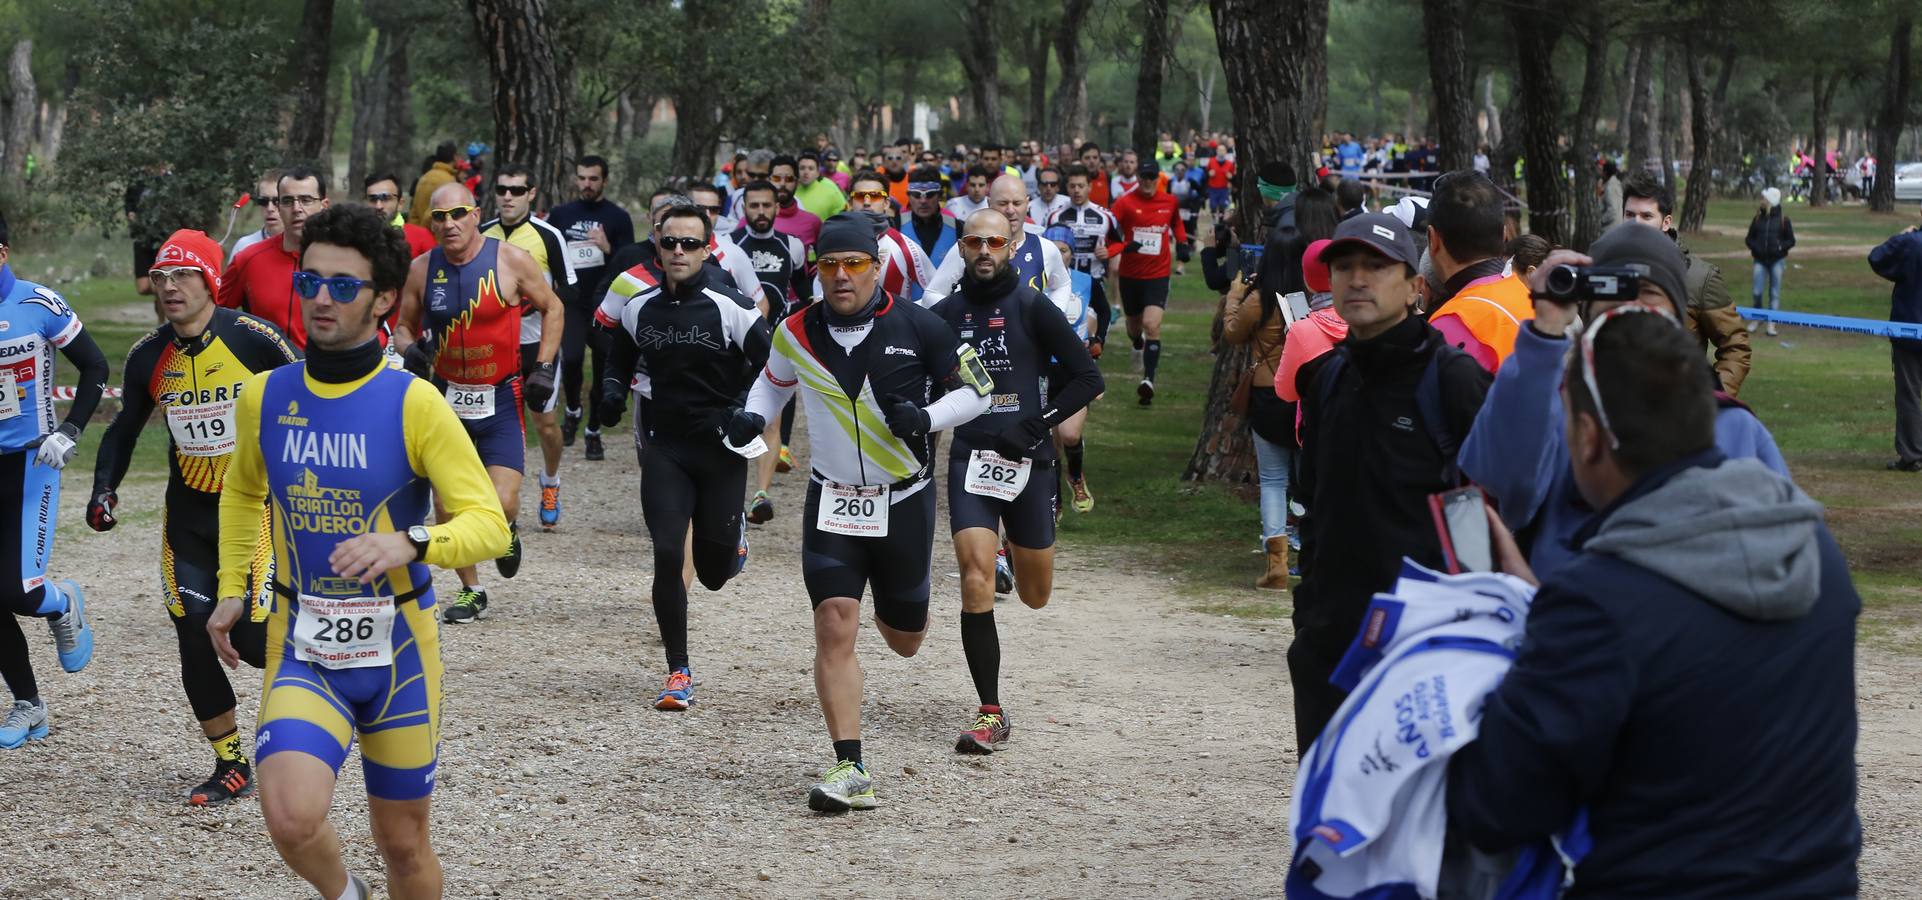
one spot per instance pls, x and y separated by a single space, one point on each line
781 262
266 192
192 370
258 279
34 321
974 196
870 503
1093 226
381 191
792 218
927 224
904 268
514 197
460 324
1149 224
344 445
1036 260
695 344
595 228
1048 200
1000 465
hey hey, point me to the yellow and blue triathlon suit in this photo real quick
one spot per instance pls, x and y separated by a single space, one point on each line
337 460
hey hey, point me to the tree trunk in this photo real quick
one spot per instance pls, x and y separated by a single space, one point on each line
1069 123
1152 67
1275 57
1536 33
1625 93
1671 113
1448 72
307 136
1205 96
910 77
23 103
394 130
981 64
1490 109
1641 140
1581 138
1821 89
1895 106
532 91
359 131
1707 106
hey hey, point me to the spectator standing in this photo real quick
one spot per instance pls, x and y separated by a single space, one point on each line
1479 307
1709 313
1899 259
1770 238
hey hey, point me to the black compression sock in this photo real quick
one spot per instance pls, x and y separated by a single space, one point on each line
981 643
1136 341
1150 359
848 751
671 615
1074 452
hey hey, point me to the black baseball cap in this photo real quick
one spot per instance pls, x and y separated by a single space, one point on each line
1379 232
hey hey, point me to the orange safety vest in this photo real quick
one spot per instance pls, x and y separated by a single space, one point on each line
1493 312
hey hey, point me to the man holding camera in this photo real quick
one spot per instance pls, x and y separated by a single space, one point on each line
1379 431
1516 450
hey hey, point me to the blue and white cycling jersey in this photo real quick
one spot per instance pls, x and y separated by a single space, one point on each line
34 321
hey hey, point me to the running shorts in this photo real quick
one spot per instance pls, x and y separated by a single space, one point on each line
1137 294
500 438
1028 518
897 566
29 512
394 710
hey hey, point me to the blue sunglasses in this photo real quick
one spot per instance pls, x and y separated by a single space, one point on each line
342 288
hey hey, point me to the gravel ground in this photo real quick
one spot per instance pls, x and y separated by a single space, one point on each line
1151 751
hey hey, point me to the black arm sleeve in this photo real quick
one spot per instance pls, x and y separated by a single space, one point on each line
136 405
759 342
1217 272
1055 336
623 357
85 356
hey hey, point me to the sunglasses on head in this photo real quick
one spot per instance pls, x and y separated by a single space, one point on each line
381 198
512 190
868 196
683 244
993 241
1585 341
455 213
341 288
853 265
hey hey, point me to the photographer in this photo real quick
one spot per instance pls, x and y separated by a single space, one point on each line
1899 259
1516 450
1687 680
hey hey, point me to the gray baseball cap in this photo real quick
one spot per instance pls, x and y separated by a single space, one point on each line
1379 232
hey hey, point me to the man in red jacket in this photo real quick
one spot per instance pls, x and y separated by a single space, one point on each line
1149 221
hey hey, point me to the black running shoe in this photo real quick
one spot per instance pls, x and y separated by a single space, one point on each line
570 424
231 781
510 565
595 453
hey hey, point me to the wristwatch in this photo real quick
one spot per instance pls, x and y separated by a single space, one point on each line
421 538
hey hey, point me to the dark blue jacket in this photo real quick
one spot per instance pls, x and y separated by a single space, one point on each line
1899 259
1705 718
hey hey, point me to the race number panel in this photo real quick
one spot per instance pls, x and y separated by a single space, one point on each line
995 476
345 633
853 510
206 429
471 401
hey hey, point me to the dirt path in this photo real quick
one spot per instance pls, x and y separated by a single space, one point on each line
1152 748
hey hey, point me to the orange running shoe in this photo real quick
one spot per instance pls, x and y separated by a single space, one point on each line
678 692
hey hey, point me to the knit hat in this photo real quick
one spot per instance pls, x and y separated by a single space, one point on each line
1314 272
1633 244
194 250
1773 195
847 232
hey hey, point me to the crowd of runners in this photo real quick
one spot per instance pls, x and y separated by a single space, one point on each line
350 391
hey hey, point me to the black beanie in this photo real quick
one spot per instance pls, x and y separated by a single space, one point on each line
1631 243
847 232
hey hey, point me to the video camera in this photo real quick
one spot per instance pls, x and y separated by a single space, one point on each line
1572 283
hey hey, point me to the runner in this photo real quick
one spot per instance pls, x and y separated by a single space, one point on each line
514 197
1149 225
975 197
1094 226
192 369
266 192
1068 442
904 268
694 345
259 278
1048 200
345 445
783 173
927 223
1036 259
595 228
460 326
34 321
382 192
1000 464
870 502
781 262
722 248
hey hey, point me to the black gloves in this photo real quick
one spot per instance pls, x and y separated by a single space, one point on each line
1018 441
539 387
906 419
418 358
613 401
100 510
741 427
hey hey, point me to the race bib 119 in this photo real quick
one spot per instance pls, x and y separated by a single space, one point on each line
203 430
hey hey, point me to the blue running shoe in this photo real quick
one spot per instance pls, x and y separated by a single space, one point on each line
678 692
72 636
24 722
740 556
550 506
1003 573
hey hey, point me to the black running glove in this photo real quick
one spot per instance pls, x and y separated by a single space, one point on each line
418 358
100 510
613 401
1018 441
905 418
741 427
538 389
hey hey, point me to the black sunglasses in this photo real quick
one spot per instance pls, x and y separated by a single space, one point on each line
512 190
381 198
683 244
